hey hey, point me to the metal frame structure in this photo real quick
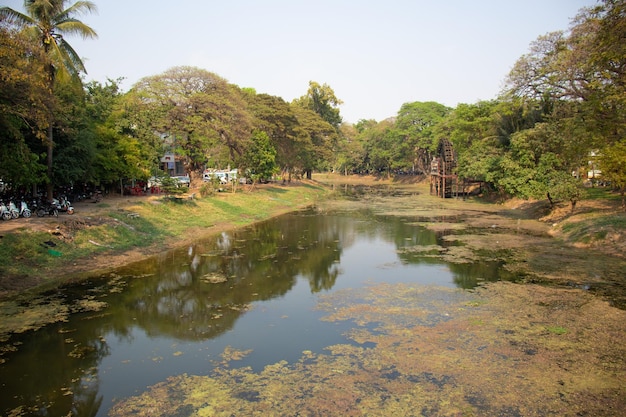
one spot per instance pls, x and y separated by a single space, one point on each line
443 179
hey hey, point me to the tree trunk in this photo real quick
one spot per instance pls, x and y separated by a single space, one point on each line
550 200
50 185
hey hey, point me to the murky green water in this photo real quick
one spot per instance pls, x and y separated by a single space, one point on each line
255 288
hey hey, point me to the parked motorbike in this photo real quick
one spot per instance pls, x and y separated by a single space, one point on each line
63 204
15 213
44 208
4 211
24 210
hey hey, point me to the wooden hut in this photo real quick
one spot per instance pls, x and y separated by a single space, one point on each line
443 179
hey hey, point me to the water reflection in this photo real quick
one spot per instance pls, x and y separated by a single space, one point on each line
253 288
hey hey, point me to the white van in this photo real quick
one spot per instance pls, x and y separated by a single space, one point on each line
225 176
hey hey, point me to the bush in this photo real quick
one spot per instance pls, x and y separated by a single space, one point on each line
207 189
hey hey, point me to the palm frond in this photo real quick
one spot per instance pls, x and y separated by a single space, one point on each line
78 8
70 59
76 27
43 9
15 18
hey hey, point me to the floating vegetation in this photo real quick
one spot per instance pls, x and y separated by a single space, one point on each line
214 278
423 250
232 354
80 351
88 304
19 317
419 351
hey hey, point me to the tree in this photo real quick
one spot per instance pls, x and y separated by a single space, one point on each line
350 154
534 169
607 62
47 22
260 158
613 166
322 100
275 117
196 113
75 136
380 144
585 67
416 123
473 131
24 96
118 153
314 139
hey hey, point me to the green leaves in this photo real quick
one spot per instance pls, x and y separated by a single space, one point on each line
260 158
613 165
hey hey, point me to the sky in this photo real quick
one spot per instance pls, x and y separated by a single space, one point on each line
375 55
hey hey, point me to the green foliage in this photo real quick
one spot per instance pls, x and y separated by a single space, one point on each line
314 139
194 113
207 189
170 186
416 126
46 24
613 166
322 100
260 158
563 99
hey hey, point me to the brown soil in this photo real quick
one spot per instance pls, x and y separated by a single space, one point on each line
89 213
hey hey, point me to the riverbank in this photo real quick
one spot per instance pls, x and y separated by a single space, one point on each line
41 253
38 254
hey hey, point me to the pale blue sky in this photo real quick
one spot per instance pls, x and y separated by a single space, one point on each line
375 55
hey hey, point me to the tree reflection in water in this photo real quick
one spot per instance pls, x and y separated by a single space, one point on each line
194 299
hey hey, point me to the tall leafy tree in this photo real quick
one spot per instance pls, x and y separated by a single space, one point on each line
380 142
48 22
416 123
322 100
118 153
260 158
74 137
580 79
314 138
197 113
613 163
474 134
585 67
350 153
24 97
274 116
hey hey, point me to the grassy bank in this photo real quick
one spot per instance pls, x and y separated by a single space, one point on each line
44 252
41 253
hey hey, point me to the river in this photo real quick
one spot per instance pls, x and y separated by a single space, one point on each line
247 296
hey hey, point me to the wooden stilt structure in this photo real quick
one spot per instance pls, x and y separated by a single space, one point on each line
443 179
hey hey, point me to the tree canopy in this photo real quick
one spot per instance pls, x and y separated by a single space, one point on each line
562 103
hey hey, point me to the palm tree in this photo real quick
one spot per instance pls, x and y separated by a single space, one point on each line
47 21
